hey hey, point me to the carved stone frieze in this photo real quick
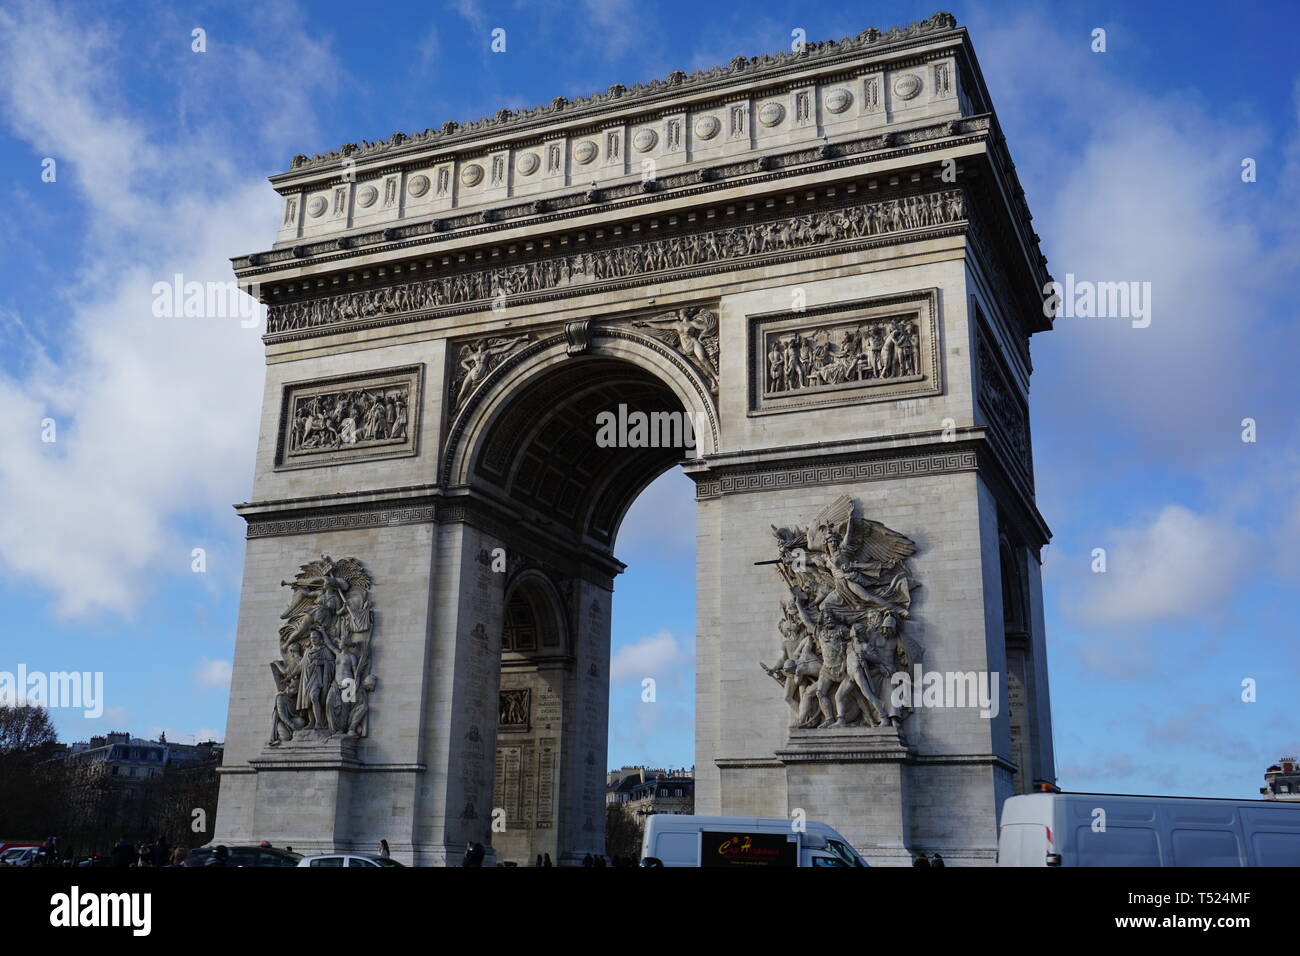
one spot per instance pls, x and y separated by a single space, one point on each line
833 355
842 630
869 350
1005 409
476 360
812 230
515 708
693 333
362 417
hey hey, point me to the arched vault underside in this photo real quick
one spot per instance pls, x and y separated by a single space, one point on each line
535 442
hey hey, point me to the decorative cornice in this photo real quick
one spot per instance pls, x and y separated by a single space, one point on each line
769 168
876 466
617 96
844 227
341 521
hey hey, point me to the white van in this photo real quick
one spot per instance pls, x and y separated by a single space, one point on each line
674 839
1109 829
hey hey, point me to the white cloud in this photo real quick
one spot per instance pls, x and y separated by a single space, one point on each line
1133 185
116 718
617 25
214 673
472 12
1180 564
651 656
156 418
661 521
655 731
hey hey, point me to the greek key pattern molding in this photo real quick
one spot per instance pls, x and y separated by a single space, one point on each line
815 475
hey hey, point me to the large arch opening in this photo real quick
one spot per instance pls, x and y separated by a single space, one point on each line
541 447
538 448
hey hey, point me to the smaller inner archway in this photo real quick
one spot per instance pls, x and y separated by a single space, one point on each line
537 674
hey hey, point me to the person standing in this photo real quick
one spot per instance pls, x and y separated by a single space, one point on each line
123 853
384 852
921 861
546 860
938 862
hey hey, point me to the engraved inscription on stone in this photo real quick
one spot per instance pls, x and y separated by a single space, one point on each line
546 758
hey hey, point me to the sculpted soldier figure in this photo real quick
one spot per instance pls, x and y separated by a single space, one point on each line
342 692
775 373
316 671
859 675
285 720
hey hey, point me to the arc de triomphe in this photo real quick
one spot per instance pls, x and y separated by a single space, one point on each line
824 259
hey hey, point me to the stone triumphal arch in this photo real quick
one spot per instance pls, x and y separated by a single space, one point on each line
823 261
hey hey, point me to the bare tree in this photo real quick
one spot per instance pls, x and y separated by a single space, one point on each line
623 833
24 729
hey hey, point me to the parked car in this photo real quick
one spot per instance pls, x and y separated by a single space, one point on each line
1115 829
347 859
243 856
673 839
18 856
15 845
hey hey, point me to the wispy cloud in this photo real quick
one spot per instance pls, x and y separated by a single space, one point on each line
153 416
213 673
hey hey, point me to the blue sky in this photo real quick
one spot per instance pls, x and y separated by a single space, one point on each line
1131 162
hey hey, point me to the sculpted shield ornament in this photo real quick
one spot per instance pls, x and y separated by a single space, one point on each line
842 631
323 679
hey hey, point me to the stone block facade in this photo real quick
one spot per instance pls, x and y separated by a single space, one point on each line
827 264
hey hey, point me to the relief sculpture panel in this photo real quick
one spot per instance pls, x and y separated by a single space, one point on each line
870 350
330 421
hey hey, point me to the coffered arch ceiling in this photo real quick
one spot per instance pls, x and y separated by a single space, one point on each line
541 450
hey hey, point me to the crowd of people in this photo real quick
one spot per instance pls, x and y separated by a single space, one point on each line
123 854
